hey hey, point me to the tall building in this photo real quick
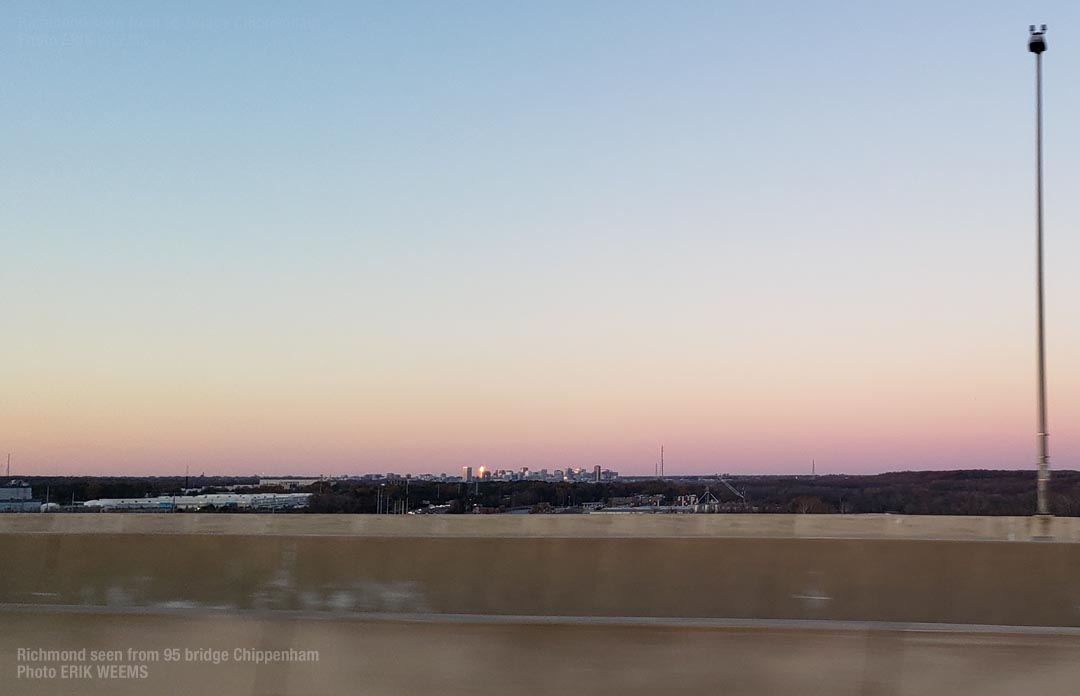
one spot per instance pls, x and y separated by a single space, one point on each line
466 473
596 473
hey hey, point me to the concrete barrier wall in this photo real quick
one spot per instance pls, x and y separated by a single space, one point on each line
739 604
1021 583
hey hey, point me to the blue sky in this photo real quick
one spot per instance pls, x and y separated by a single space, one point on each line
357 222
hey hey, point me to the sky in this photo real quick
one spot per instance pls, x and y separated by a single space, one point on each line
344 237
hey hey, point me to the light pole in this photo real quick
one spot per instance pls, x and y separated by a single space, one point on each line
1037 45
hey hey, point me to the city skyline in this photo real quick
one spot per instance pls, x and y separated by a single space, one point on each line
418 237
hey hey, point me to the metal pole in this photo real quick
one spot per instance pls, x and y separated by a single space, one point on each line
1037 45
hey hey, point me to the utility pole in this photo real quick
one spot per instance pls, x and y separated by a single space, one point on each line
1037 45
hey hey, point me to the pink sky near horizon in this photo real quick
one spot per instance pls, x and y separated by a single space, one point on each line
764 422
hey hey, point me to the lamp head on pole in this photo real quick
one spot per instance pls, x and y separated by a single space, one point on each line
1036 42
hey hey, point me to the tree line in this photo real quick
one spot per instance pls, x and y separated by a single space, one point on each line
964 492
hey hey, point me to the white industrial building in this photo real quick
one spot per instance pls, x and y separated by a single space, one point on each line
240 501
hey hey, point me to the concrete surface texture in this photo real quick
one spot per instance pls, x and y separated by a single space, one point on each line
593 604
1066 529
405 658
